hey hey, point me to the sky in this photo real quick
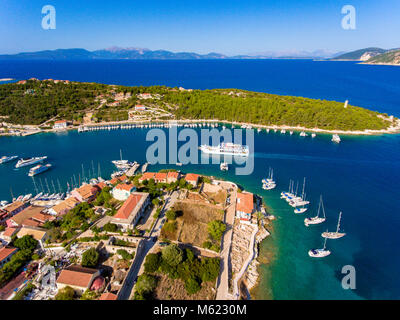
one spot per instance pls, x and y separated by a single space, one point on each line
228 27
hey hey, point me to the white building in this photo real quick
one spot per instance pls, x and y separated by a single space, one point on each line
60 124
122 191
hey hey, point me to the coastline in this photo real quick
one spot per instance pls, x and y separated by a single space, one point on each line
393 129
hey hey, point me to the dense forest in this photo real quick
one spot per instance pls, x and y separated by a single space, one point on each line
34 102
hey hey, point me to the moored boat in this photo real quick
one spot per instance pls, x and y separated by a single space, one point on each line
38 169
29 162
6 159
336 234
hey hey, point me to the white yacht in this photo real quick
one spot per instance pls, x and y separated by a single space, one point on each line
224 166
313 135
319 253
29 162
317 219
269 183
336 138
336 234
6 159
300 210
303 134
226 148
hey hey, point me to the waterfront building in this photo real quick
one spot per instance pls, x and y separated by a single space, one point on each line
77 277
23 216
5 255
60 124
15 207
64 207
193 179
122 191
131 211
160 177
85 193
173 176
244 206
147 176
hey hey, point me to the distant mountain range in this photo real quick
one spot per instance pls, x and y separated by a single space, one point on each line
146 54
368 55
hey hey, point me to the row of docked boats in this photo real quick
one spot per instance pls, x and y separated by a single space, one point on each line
39 168
269 183
300 202
145 126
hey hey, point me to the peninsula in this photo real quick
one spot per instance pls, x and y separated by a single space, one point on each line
37 105
153 235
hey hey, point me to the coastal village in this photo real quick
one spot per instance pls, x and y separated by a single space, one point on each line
140 235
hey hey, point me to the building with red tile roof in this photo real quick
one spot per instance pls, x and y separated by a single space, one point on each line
147 176
5 255
85 193
131 211
173 176
192 178
108 296
122 191
244 206
160 177
9 233
77 277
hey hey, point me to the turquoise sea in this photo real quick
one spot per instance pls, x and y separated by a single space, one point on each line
359 176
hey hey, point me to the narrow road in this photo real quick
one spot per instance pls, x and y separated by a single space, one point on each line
144 248
223 279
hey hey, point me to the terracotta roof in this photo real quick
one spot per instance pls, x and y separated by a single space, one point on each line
9 232
123 186
66 204
5 252
128 206
36 233
31 223
101 185
61 121
192 177
160 176
147 176
86 191
114 180
76 276
26 214
108 296
13 206
41 217
245 202
173 174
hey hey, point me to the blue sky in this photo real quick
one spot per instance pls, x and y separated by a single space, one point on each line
229 27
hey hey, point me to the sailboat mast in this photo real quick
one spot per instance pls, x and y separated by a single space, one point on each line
338 223
304 184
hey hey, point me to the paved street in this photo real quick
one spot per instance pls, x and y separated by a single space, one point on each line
144 248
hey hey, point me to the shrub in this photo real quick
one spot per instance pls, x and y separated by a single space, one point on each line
171 215
216 229
66 293
124 254
152 263
192 286
172 255
90 258
110 227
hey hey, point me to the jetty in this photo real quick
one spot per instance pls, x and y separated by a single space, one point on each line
131 172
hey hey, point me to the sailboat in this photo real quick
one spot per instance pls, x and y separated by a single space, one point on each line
269 183
334 235
122 164
317 219
319 253
300 201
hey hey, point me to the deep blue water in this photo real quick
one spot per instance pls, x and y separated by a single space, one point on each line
359 176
